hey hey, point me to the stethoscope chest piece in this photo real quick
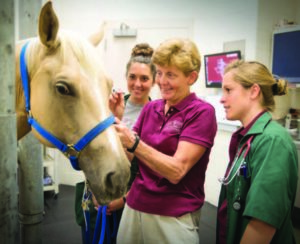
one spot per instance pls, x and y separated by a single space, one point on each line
236 205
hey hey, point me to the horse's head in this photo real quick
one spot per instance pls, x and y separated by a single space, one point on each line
68 97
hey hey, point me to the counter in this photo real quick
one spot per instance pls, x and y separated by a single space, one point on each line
297 201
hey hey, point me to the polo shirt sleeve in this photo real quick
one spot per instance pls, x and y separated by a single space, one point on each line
273 181
200 125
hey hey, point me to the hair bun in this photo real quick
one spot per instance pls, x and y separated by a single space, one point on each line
279 88
282 87
142 49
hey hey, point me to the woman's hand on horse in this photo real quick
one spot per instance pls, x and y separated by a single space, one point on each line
116 103
127 136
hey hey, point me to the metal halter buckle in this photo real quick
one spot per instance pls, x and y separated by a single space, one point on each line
71 151
29 114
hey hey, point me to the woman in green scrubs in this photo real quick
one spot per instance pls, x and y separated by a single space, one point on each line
259 186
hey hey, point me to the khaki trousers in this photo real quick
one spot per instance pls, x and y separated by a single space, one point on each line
142 228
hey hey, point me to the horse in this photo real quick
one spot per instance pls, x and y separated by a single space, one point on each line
63 100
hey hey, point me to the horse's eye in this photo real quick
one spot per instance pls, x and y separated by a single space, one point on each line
63 89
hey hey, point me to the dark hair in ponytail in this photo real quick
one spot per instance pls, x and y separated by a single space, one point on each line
142 53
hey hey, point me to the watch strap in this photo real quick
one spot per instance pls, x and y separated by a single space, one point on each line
137 140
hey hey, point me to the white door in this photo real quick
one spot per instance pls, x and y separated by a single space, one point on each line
116 51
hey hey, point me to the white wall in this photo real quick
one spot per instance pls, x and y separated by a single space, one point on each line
297 9
206 15
213 24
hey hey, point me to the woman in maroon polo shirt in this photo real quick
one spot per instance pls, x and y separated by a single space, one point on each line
172 140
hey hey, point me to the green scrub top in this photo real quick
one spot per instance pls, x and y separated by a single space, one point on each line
268 191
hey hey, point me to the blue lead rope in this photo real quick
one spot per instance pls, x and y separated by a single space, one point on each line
101 218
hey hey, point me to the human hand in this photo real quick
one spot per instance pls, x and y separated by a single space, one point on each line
116 103
96 204
114 205
126 136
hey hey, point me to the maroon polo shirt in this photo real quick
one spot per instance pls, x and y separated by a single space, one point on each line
191 120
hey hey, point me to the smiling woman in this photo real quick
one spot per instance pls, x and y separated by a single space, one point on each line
168 192
63 92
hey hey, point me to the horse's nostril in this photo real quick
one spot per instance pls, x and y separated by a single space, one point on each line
109 180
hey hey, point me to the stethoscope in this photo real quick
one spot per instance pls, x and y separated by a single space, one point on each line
242 170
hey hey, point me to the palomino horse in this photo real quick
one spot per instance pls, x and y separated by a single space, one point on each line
64 100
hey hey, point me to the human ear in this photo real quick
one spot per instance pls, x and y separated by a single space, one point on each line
255 91
193 76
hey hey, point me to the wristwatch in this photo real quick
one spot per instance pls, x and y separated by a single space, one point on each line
137 140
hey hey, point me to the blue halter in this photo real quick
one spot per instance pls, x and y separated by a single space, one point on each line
72 151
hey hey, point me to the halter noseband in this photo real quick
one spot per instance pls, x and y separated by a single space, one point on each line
72 151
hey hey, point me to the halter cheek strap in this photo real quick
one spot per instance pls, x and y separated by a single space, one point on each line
72 151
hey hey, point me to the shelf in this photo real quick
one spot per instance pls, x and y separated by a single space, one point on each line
49 163
50 187
294 85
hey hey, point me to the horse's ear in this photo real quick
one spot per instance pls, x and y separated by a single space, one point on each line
48 26
97 37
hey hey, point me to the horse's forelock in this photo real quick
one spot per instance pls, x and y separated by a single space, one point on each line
86 54
81 48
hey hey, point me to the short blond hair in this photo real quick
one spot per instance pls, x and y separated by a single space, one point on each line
181 53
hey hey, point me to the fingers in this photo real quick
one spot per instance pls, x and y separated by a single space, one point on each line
120 127
96 204
113 206
117 94
117 120
114 99
116 103
126 136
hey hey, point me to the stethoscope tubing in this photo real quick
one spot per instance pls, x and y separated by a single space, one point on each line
225 180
